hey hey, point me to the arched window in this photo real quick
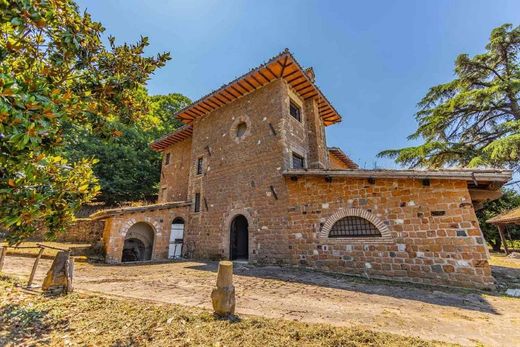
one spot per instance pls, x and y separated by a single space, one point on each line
354 226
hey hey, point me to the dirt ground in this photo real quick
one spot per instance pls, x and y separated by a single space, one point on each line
450 315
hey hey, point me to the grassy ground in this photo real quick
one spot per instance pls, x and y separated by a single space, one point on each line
500 259
80 319
47 253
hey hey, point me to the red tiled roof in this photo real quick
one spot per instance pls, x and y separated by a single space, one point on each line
509 217
178 135
338 153
285 66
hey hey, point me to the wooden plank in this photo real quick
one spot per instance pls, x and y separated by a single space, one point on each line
2 257
35 266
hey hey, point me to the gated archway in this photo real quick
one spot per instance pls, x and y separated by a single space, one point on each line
138 243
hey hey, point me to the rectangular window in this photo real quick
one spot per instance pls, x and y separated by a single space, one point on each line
196 206
167 159
297 161
295 111
200 162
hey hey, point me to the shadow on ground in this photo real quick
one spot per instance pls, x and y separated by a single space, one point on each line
461 298
18 324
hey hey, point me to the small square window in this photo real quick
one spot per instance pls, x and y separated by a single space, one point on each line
200 163
167 159
196 206
298 162
295 111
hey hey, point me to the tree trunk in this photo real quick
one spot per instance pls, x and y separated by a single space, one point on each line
496 244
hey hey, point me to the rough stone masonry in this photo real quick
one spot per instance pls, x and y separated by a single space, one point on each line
250 177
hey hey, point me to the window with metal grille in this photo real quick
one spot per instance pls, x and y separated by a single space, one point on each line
167 159
298 162
353 226
196 206
200 162
295 111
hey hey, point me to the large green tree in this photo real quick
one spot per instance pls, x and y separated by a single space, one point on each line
473 120
55 70
127 168
508 201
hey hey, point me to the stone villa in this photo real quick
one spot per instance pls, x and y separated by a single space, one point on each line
250 177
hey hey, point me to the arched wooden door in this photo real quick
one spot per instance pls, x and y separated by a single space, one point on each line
239 239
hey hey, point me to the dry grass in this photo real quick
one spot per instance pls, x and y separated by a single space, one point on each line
80 319
500 259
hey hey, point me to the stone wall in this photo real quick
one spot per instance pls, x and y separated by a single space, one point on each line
175 174
242 175
335 163
83 230
116 228
430 234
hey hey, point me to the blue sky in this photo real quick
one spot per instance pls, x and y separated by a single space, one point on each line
373 59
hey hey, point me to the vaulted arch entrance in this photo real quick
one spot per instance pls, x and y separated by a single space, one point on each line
239 239
138 243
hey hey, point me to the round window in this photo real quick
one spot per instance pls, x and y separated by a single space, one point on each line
241 129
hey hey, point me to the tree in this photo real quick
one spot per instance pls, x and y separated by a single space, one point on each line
54 71
508 201
473 120
127 168
164 107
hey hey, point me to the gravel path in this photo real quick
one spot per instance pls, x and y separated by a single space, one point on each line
457 316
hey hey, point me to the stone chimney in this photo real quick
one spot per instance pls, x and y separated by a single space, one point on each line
310 73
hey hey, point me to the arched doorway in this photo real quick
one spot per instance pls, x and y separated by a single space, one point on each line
176 238
239 239
138 243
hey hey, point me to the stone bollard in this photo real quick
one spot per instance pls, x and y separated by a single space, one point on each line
223 297
60 275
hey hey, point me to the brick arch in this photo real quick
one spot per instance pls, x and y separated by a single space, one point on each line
355 212
227 229
156 226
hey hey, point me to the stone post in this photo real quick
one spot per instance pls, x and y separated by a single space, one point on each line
223 297
60 275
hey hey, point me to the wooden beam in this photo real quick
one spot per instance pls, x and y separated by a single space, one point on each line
257 81
271 72
236 90
229 93
283 65
484 194
2 257
295 79
502 237
299 84
311 96
213 104
223 102
291 73
225 96
250 84
302 89
261 74
241 86
35 265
